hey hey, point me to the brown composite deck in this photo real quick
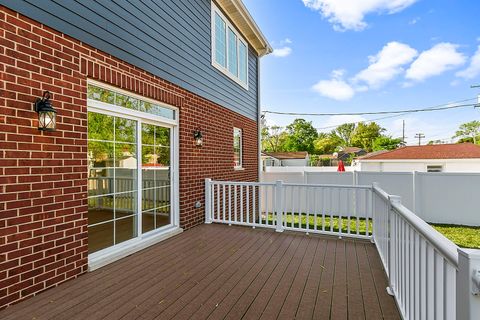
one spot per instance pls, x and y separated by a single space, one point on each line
221 272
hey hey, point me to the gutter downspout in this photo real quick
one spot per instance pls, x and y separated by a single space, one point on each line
259 116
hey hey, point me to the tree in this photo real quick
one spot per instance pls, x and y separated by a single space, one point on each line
386 143
365 134
273 138
300 136
469 130
327 143
345 132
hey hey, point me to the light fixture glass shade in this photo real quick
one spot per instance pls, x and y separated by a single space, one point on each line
47 115
47 120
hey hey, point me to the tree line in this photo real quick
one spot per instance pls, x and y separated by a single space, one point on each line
300 135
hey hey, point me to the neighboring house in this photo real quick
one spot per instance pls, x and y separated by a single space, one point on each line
152 97
325 160
285 159
345 154
461 157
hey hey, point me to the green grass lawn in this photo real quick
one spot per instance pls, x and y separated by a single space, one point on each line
334 222
462 236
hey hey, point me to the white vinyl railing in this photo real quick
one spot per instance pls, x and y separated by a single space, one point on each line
421 264
327 209
429 276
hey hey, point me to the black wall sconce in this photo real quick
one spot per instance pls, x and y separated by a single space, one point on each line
198 137
47 115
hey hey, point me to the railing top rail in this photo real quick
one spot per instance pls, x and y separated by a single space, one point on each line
310 185
446 247
381 193
242 183
335 186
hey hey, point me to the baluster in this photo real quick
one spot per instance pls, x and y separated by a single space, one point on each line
254 199
241 203
248 204
223 205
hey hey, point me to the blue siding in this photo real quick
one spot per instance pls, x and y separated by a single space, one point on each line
169 38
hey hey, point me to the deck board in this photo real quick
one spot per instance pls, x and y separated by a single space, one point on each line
222 272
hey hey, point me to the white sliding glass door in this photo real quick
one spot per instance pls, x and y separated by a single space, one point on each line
131 166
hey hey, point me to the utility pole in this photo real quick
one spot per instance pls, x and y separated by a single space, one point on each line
419 136
403 133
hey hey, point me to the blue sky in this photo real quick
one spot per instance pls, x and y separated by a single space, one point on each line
371 55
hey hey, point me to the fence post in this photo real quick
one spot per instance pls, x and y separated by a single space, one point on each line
414 191
392 275
279 205
208 198
468 284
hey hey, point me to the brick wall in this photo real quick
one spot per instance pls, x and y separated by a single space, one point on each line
43 176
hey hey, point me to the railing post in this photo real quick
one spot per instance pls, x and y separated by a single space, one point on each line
468 284
208 198
279 205
374 213
392 272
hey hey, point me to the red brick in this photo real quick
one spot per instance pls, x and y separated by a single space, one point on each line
43 175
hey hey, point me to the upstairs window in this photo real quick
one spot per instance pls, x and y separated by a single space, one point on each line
237 148
220 41
229 50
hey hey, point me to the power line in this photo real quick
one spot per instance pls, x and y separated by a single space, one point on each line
364 121
446 107
381 118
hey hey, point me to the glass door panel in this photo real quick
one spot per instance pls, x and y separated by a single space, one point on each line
156 177
112 180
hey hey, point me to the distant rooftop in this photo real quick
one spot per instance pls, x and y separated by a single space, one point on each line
374 153
436 151
351 149
287 155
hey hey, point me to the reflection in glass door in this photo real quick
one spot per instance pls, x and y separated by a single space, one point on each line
156 177
112 180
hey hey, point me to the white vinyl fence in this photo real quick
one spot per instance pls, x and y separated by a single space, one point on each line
429 276
451 198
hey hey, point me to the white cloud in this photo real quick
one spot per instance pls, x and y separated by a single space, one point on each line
386 64
335 88
435 61
414 21
349 14
473 69
282 52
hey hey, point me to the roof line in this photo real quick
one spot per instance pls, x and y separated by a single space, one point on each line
236 10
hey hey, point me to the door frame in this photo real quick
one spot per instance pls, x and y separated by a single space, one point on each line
142 240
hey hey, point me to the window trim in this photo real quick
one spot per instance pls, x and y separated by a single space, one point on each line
240 165
224 70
